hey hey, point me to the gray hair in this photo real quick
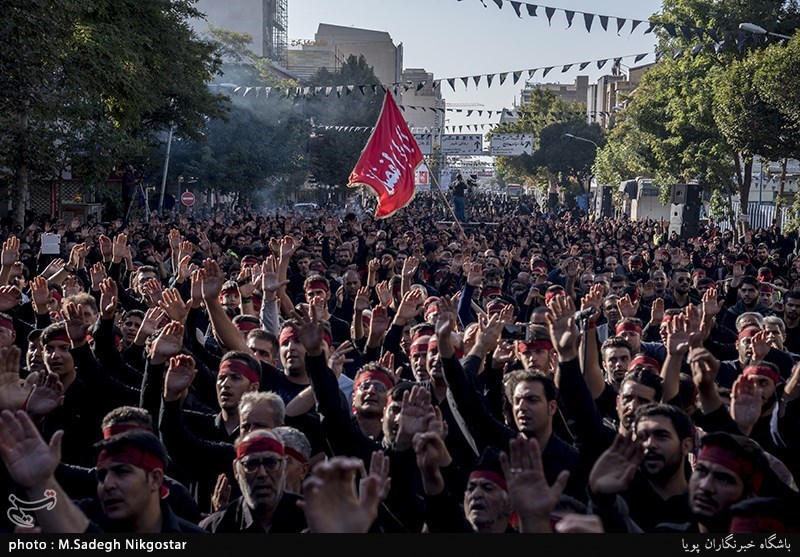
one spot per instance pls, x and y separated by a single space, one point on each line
295 439
267 397
751 315
773 320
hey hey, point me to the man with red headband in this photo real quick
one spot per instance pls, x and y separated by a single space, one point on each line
265 506
130 473
317 286
536 353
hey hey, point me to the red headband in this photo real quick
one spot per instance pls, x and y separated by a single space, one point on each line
295 455
6 324
137 457
54 293
326 337
433 343
748 332
667 318
421 333
550 295
61 337
542 344
259 445
741 467
490 291
420 346
374 376
121 427
493 477
628 327
237 366
245 326
431 308
644 360
763 371
287 334
318 285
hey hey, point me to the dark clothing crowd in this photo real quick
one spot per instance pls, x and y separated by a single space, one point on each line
324 371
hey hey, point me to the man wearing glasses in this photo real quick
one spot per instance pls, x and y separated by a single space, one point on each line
265 506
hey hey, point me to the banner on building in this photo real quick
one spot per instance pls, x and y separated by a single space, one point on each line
509 145
425 142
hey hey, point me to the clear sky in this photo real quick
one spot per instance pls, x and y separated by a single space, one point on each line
452 39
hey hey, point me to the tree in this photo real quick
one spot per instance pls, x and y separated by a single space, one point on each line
333 153
92 83
556 160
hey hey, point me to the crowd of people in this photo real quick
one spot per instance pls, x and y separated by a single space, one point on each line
329 372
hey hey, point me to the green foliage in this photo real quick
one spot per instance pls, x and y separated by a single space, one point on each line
92 83
334 154
556 159
243 66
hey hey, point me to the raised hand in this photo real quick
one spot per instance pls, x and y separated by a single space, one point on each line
168 343
704 367
108 298
77 328
410 267
362 300
331 504
563 331
532 497
475 275
627 307
792 388
711 304
180 374
30 461
384 292
760 345
174 306
174 238
594 299
97 273
196 288
245 282
269 279
53 268
211 280
410 306
657 311
10 297
150 324
222 493
10 254
614 470
119 249
678 335
288 248
413 416
502 355
746 403
13 391
309 329
489 331
373 265
40 294
106 249
339 358
378 325
47 395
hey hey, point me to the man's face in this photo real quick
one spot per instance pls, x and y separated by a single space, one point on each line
586 282
343 257
141 278
230 388
536 360
34 359
765 297
257 416
369 398
745 348
633 338
748 294
241 241
504 257
230 299
312 293
262 479
791 309
616 360
713 488
664 452
681 283
419 364
126 491
292 354
58 359
262 349
631 396
391 420
763 254
659 279
766 388
352 282
532 411
485 504
435 369
617 287
304 265
130 326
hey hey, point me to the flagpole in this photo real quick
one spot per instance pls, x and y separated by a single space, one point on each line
444 199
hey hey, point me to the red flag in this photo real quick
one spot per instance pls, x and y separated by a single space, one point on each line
389 161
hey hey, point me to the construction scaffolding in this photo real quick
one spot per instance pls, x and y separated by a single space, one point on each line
276 25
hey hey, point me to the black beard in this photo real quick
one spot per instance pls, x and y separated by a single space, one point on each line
666 472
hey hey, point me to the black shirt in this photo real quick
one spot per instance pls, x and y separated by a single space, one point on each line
238 518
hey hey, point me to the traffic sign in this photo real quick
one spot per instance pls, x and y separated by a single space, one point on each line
187 198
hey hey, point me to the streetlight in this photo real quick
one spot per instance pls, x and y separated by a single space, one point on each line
570 136
758 30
